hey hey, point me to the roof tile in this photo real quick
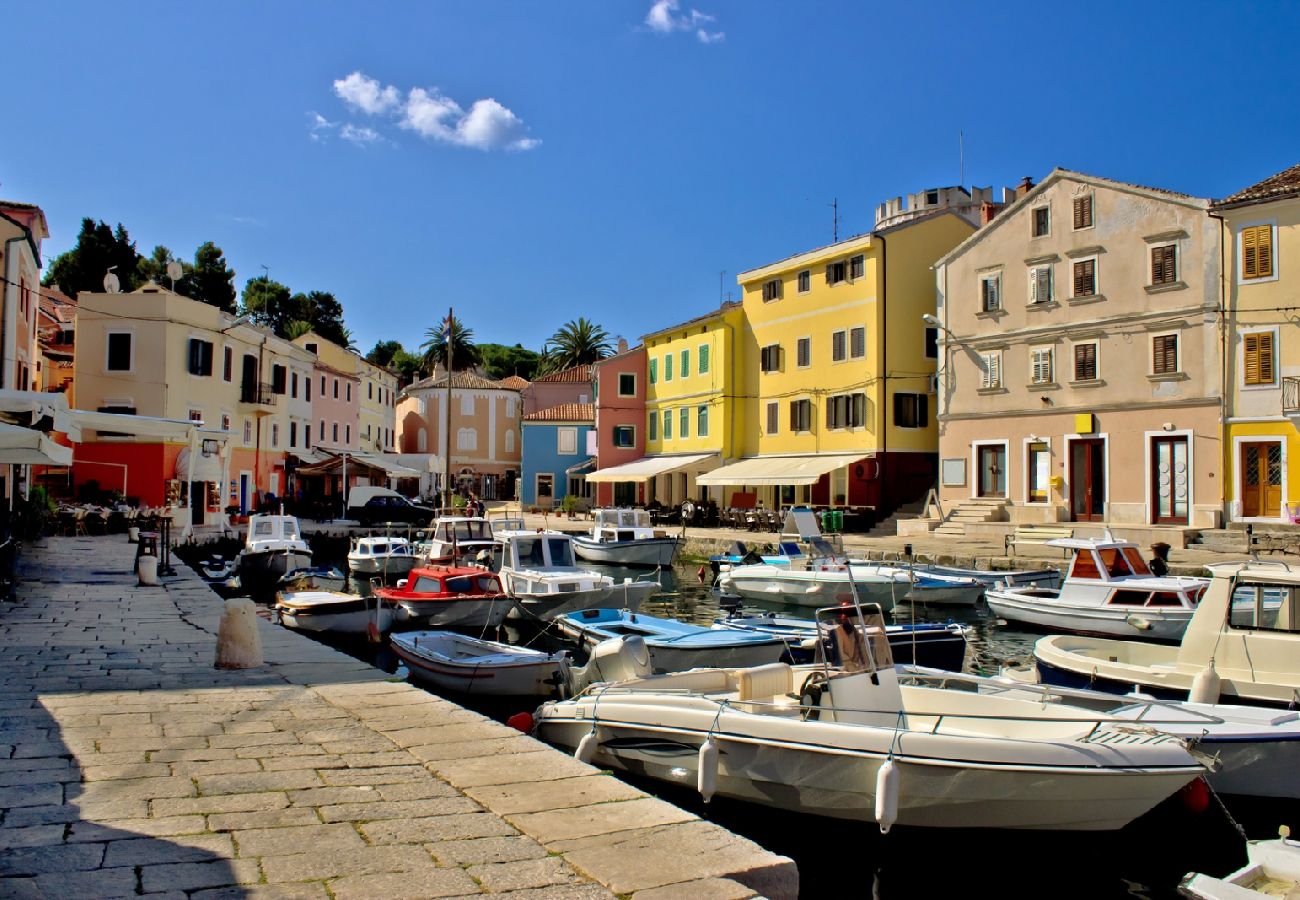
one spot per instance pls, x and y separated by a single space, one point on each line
1284 184
564 412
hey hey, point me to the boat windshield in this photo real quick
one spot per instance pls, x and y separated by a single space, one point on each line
857 645
472 530
426 585
528 552
561 551
262 529
1114 561
460 584
290 528
1266 607
820 547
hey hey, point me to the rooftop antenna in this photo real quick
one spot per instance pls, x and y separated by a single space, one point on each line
961 159
835 220
112 284
174 271
722 283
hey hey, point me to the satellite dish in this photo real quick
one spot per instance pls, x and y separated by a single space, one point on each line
174 271
111 284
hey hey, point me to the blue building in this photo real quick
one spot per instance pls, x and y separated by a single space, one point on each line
556 454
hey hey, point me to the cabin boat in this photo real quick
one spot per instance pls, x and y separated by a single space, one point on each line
674 645
1272 869
625 537
539 571
1242 645
1108 589
933 644
855 743
332 611
448 597
273 547
457 540
391 557
469 665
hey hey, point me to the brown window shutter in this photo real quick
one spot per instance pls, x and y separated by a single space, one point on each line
1083 278
1251 358
1157 265
1083 211
1265 357
1264 252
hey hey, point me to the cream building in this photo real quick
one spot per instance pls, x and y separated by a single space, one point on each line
377 388
22 228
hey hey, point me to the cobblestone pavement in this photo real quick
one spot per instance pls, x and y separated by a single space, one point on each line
130 766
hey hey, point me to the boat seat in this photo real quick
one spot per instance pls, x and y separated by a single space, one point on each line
764 682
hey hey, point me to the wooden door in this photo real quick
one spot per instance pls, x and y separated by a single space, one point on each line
1088 480
993 471
1170 481
1261 479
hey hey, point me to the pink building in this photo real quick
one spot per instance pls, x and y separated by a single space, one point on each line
620 420
336 409
566 386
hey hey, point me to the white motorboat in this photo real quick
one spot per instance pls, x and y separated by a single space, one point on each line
273 547
457 539
674 645
390 557
538 570
1241 646
1045 577
313 579
934 644
925 588
1272 870
625 537
333 611
1108 589
854 743
467 665
820 581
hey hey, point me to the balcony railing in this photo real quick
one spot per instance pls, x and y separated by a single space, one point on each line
257 394
1290 395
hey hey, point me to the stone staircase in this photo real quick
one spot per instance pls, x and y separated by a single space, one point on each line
978 509
888 527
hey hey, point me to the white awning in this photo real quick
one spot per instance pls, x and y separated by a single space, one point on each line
778 470
25 446
140 426
393 468
647 467
206 468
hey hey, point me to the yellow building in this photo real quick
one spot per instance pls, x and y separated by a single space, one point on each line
839 366
1261 248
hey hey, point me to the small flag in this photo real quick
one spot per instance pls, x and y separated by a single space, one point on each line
446 329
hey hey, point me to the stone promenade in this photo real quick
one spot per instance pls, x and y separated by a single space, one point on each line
130 766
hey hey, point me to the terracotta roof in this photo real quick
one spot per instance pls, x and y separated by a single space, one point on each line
575 375
467 380
1140 187
1276 187
514 381
565 412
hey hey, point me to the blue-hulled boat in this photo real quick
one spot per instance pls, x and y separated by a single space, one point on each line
674 645
932 644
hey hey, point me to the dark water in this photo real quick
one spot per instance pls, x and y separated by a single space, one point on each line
842 858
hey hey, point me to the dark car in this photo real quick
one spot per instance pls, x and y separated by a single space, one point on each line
391 508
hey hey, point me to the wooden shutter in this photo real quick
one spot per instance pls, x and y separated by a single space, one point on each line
829 268
1164 354
1085 362
991 376
1259 358
1041 369
1164 264
773 410
1040 284
1257 251
1085 278
1083 211
857 342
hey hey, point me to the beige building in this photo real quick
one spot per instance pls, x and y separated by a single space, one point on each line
1079 364
377 412
22 228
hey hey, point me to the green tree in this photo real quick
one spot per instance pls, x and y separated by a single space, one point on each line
383 352
98 249
576 343
502 361
296 329
325 313
210 280
154 267
408 366
268 302
437 348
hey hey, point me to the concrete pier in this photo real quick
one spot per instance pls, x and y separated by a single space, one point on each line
130 766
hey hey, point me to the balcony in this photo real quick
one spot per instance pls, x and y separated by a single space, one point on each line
1290 395
256 394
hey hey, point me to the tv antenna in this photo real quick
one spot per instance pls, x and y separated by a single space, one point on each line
174 271
835 220
111 283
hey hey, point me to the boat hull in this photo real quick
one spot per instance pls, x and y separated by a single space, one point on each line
548 606
535 678
1165 624
260 571
809 587
643 552
388 566
355 622
667 655
452 613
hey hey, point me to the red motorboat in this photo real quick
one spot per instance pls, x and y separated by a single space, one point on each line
449 596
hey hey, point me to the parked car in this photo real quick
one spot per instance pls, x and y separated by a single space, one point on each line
372 505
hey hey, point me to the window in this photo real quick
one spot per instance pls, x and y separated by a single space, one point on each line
306 383
1257 251
248 431
702 420
627 384
668 424
686 364
911 410
846 411
1042 221
991 374
228 364
837 346
510 440
668 367
990 293
1083 212
1085 278
348 388
624 436
857 267
1258 357
466 439
805 281
773 411
370 390
703 367
931 198
293 434
196 415
347 434
293 385
119 358
467 404
932 343
800 415
1164 264
1040 365
1039 469
1164 354
1085 362
653 427
654 370
314 349
336 388
1263 607
306 436
836 272
857 342
200 357
279 379
322 386
772 290
275 434
334 432
225 422
510 407
770 358
322 429
1040 284
566 441
684 422
803 352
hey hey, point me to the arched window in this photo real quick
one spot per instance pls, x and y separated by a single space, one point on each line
422 441
466 439
510 440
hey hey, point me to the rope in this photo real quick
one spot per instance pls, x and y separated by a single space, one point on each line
1217 799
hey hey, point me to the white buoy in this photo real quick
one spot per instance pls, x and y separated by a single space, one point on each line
146 570
707 775
1205 686
887 795
586 751
239 645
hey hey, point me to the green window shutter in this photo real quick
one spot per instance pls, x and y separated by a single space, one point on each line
704 359
654 370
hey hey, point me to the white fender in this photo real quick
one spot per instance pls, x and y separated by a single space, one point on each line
586 751
887 795
707 776
1205 686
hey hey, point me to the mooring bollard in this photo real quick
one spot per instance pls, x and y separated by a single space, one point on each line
146 570
239 646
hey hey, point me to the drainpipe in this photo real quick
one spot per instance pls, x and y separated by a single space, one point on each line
884 366
1225 385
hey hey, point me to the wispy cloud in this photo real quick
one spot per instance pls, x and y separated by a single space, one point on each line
319 126
248 220
666 17
487 125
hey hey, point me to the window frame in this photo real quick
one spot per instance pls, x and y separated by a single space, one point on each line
684 365
987 382
801 416
702 362
1091 198
773 289
1074 278
995 279
1177 266
108 349
1075 361
668 367
1259 384
803 352
773 417
1034 355
667 423
920 409
803 281
562 432
857 267
652 425
842 334
770 358
190 359
621 376
683 423
1046 209
1034 270
702 420
853 331
1242 277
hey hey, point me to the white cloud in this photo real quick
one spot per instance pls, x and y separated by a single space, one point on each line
359 134
665 17
365 94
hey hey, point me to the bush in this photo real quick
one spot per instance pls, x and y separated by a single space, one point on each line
35 515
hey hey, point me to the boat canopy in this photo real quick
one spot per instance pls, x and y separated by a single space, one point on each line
647 467
778 470
626 518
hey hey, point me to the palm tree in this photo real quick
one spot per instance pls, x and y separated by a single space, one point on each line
296 329
464 352
577 343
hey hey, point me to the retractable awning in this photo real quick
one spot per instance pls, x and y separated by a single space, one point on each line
585 466
334 466
25 446
778 470
647 467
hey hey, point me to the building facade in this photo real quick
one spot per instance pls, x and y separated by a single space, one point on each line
22 229
377 402
1080 357
556 444
572 385
620 389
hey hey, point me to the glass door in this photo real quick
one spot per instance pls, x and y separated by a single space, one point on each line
1088 480
993 470
1261 480
1169 480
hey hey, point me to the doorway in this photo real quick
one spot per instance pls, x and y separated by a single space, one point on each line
1261 480
1170 480
1088 480
245 482
198 501
992 463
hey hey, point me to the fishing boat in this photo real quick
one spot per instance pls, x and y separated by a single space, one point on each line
448 597
391 557
923 587
273 547
332 611
458 540
819 581
674 645
1108 589
468 665
1272 869
625 537
854 743
539 571
1242 645
319 578
934 644
1045 577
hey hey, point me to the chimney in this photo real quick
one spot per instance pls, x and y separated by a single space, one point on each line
622 345
989 209
1026 185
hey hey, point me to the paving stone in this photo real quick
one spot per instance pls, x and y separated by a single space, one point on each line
264 892
226 803
460 751
404 886
324 839
564 892
45 815
316 866
703 889
477 851
129 771
31 836
257 781
180 848
115 829
31 795
399 809
136 789
534 763
196 875
603 818
315 761
60 858
446 734
563 793
273 818
120 882
191 768
438 828
200 754
330 796
243 741
523 874
387 775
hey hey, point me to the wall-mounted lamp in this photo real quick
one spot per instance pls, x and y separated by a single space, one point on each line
1168 426
1047 401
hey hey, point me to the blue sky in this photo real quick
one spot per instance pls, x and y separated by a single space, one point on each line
531 162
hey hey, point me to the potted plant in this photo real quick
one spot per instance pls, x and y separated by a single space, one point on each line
568 505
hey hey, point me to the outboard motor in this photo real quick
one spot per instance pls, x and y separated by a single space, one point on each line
614 659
